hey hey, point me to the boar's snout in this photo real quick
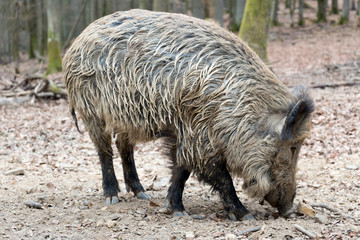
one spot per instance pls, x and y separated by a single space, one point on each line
283 202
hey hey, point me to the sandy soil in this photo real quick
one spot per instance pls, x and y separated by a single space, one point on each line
62 171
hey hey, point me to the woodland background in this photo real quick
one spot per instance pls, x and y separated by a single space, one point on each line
50 177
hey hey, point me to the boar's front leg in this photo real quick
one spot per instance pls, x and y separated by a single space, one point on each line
130 175
174 197
217 175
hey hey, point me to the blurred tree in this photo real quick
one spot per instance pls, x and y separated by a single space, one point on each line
42 30
292 9
334 7
6 26
178 6
125 5
275 20
301 15
321 13
353 5
71 33
287 3
54 35
216 10
358 8
108 7
16 43
239 12
344 18
144 4
161 5
32 24
197 8
255 26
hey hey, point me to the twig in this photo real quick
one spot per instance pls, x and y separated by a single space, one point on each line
34 204
252 229
323 205
15 94
303 230
8 101
346 84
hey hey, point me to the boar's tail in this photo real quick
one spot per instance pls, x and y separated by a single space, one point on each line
73 114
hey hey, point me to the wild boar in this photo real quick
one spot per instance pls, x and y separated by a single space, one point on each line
142 75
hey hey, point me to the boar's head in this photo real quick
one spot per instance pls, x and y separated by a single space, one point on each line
294 129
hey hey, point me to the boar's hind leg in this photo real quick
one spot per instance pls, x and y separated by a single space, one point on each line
219 178
130 175
102 143
174 197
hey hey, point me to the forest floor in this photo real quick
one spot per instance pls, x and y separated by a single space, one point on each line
62 171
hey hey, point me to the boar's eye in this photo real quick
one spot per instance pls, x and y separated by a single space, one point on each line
293 149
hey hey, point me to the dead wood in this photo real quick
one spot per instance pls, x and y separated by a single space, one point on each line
323 205
252 229
335 85
34 204
303 230
43 88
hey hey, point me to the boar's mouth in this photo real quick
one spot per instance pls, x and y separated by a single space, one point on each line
285 210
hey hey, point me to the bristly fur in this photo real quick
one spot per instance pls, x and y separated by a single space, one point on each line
143 73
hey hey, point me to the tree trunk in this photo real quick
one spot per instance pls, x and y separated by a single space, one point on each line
345 12
292 10
107 7
358 8
135 4
301 16
7 30
353 5
32 24
239 11
334 7
197 8
321 13
255 26
144 4
16 36
96 9
54 36
217 11
160 5
43 26
178 6
71 33
275 20
287 3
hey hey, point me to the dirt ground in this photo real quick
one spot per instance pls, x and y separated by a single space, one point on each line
62 171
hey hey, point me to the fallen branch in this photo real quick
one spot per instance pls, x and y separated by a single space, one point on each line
17 100
15 94
34 204
303 230
44 88
335 85
323 205
252 229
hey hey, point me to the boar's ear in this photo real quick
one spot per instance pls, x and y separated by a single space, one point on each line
298 115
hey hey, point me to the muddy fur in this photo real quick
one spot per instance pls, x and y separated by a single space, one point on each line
140 74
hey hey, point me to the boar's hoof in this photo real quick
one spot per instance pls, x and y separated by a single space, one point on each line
180 214
248 217
244 218
112 200
143 195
